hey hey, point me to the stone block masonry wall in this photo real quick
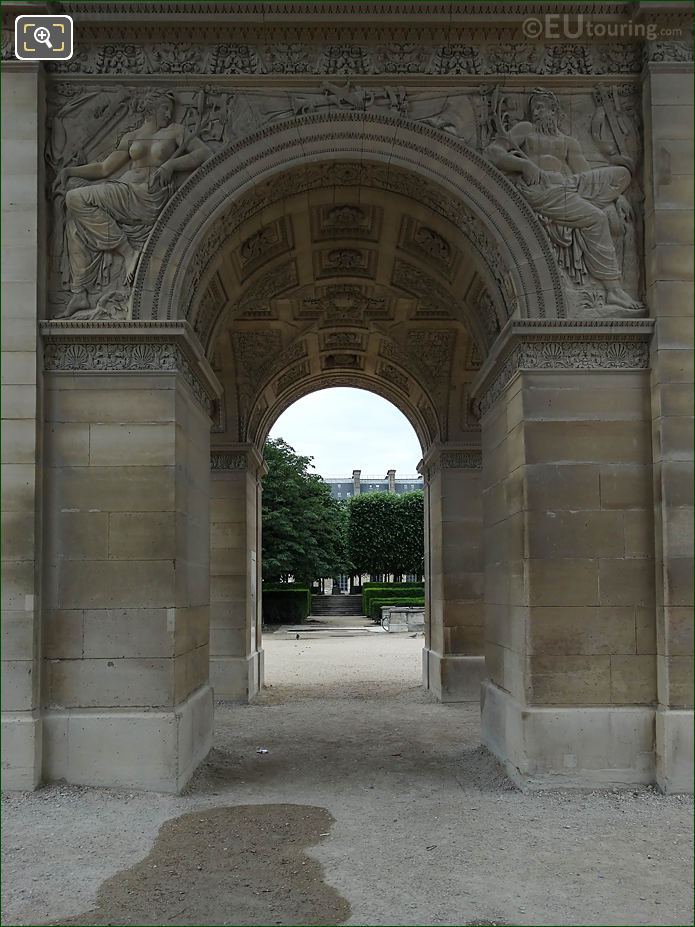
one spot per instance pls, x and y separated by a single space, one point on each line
570 588
569 584
236 670
453 657
22 178
668 118
127 580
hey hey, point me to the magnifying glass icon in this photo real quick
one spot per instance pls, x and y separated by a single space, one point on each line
43 35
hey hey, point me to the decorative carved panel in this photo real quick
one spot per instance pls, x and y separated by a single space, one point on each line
268 242
345 261
430 246
342 360
346 220
354 341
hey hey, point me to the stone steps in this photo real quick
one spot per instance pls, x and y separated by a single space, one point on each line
336 605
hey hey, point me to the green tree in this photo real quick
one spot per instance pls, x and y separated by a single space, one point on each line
303 525
385 532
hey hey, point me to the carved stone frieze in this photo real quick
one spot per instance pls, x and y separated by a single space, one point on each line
457 59
588 211
91 348
219 460
238 459
394 375
571 345
291 376
336 174
450 59
469 459
440 458
674 52
105 207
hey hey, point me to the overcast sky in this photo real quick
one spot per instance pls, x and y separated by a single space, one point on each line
350 429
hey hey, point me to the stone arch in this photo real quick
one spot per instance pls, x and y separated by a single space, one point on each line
419 421
480 199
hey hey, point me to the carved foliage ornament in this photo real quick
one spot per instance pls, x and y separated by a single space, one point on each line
118 357
580 354
220 460
461 460
453 59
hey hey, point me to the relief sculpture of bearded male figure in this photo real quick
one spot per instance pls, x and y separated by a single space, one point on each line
555 178
114 215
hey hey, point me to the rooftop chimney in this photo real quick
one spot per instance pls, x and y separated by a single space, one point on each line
356 482
391 477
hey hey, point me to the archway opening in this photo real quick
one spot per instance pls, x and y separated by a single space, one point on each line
348 280
343 592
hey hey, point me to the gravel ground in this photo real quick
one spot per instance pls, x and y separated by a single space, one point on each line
373 805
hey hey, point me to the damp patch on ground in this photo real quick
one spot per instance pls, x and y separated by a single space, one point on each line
244 864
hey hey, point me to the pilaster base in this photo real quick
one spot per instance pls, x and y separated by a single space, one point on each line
237 679
674 751
546 748
156 750
21 751
452 678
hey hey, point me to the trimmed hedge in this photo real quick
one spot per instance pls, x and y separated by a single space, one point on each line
397 590
375 605
285 603
368 586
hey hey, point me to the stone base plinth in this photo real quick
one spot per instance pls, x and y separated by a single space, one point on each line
237 679
452 678
674 751
157 750
545 748
21 751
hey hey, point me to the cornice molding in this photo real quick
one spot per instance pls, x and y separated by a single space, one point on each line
268 12
572 345
152 347
237 458
450 457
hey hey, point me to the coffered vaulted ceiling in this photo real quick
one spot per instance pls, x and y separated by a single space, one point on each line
347 286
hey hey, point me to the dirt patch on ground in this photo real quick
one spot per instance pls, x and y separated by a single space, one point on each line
238 865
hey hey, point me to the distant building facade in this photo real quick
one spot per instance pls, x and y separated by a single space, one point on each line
344 487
